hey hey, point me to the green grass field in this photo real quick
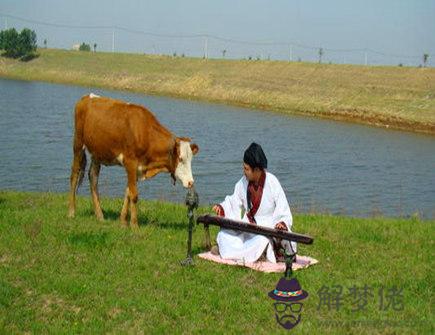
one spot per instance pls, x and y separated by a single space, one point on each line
70 276
395 97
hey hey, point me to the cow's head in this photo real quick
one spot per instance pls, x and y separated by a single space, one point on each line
184 152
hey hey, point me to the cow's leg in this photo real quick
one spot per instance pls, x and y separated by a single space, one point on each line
94 172
124 210
77 172
131 168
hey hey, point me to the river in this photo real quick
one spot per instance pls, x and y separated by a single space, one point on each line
324 166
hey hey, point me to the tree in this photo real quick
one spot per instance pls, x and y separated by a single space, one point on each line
10 42
27 42
223 53
45 43
85 47
425 58
18 44
2 39
320 55
95 47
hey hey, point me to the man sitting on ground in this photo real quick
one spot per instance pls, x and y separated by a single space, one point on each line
259 199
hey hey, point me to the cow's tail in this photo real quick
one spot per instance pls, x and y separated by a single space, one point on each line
82 167
79 147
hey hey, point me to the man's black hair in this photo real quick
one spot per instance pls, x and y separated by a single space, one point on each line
254 156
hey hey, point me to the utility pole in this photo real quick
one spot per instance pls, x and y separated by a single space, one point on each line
6 23
206 47
365 56
291 53
113 39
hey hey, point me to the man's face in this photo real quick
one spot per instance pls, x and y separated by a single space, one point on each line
288 314
249 172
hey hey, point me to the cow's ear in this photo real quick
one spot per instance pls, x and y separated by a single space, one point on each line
194 148
177 149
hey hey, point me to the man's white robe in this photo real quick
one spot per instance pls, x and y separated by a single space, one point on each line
273 208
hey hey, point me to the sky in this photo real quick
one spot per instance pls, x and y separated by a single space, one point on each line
349 31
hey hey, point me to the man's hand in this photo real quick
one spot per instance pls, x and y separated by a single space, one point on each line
281 226
218 210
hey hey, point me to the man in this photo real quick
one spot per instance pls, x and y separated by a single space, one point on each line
258 199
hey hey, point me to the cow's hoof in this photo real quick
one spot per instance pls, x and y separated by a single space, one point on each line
71 215
134 226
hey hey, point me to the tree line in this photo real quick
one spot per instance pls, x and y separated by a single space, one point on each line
18 44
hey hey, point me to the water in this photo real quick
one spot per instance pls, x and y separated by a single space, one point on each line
339 168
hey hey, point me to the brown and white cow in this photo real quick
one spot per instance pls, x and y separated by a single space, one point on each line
118 133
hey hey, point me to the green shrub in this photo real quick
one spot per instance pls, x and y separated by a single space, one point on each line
18 44
85 47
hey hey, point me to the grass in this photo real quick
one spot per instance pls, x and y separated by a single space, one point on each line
396 97
70 276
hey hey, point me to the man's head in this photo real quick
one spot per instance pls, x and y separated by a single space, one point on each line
254 162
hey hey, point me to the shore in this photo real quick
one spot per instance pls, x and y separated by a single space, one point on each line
82 276
385 96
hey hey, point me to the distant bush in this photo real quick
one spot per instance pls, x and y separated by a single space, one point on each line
85 47
16 44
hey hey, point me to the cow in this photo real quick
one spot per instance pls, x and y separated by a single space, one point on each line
115 132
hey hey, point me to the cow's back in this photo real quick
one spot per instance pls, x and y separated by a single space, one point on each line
110 127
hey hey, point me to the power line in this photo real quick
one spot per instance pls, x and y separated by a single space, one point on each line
54 24
206 37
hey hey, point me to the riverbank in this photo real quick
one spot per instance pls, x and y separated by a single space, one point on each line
393 97
60 275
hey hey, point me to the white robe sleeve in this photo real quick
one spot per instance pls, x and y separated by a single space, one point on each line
233 204
282 210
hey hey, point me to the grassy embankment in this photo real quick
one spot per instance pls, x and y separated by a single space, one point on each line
396 97
82 276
